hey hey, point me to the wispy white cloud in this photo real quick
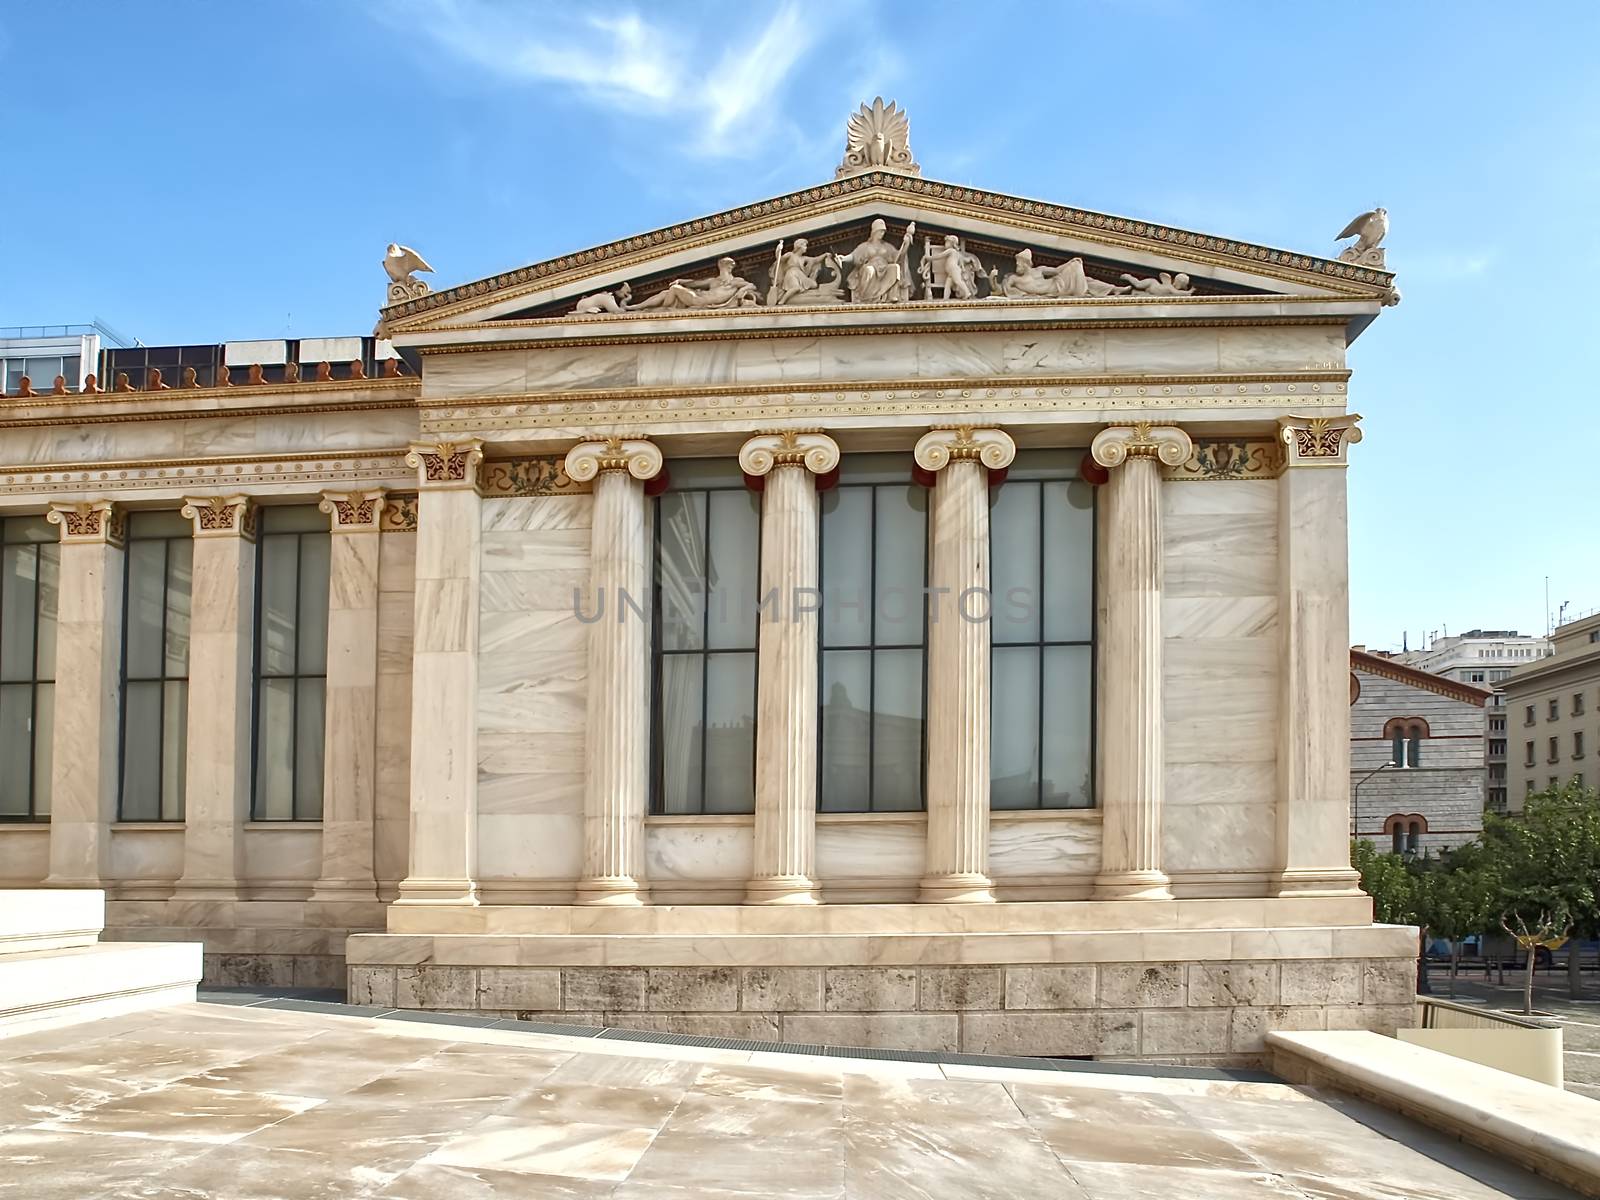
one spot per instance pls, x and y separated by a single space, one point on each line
627 62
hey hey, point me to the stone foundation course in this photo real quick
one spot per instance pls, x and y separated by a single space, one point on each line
1217 1012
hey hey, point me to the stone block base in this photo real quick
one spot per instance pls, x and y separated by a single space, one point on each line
1067 994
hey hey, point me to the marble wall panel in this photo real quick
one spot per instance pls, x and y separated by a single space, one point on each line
777 360
1161 351
1043 846
484 373
531 686
24 856
1295 348
397 560
687 364
710 851
1055 352
530 846
147 854
584 368
1220 699
293 852
871 849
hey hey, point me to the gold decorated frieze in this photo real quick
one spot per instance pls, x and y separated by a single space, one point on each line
221 516
1318 441
237 471
354 512
1229 459
446 464
537 476
399 513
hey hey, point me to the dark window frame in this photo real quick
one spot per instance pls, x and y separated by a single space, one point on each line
1041 644
659 654
163 679
33 816
872 647
258 677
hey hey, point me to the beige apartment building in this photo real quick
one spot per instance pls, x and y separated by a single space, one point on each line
1553 710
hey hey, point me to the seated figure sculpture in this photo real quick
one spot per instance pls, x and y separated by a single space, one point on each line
1067 280
722 290
880 273
796 277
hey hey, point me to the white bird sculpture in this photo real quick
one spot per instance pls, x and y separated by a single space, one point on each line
399 261
1368 229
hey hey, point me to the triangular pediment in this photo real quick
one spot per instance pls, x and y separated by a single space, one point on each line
1121 259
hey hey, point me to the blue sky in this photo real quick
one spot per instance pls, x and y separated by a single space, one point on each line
195 172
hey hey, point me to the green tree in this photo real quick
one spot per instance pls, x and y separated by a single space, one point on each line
1547 861
1459 898
1392 884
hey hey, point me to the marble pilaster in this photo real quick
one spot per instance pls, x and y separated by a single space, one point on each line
351 740
1313 847
957 869
83 782
221 633
1131 745
444 677
786 723
617 721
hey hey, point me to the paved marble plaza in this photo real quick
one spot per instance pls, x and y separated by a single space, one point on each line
212 1102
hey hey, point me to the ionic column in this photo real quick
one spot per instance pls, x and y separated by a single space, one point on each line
617 732
1130 721
350 741
83 777
444 676
221 637
1313 850
786 723
957 868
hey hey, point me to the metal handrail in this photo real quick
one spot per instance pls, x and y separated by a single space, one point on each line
1446 1014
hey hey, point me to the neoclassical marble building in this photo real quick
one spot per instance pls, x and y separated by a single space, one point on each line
892 613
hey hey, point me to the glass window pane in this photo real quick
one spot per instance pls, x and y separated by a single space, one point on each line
275 750
1068 705
293 518
897 730
16 718
846 687
30 529
44 740
730 732
1014 707
19 570
733 568
310 721
180 582
313 632
681 706
159 523
682 570
14 370
141 752
175 748
1068 562
278 592
147 579
44 654
42 372
72 368
847 567
1014 561
901 541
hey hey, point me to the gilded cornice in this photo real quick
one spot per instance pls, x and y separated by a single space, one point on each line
180 396
45 420
537 476
928 195
251 470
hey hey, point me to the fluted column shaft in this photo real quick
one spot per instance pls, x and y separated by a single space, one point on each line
350 760
1313 834
786 724
617 728
83 778
444 677
221 636
957 867
1132 758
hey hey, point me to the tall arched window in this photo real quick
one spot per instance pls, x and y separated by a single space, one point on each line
1405 735
1414 837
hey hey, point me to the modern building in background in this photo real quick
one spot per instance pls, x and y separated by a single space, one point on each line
41 353
1416 756
1553 708
1483 658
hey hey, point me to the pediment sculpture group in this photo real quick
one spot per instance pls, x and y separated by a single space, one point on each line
879 272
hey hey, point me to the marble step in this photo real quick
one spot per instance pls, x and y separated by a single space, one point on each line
33 919
43 988
1011 917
